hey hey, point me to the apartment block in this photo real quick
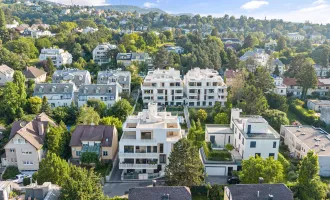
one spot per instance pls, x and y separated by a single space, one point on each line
71 75
163 87
147 142
100 53
116 76
204 87
58 56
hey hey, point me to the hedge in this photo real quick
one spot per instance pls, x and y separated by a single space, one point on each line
303 114
10 173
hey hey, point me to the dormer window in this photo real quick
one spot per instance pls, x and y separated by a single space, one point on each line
41 89
53 88
66 89
85 90
97 90
110 90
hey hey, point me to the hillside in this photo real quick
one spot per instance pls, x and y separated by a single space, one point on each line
129 8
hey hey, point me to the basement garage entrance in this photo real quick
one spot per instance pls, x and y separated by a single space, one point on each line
216 171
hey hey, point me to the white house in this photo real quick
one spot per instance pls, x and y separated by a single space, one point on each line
113 76
58 94
272 44
58 56
258 56
176 49
295 36
71 75
301 139
280 88
322 88
321 71
126 59
100 53
13 25
276 63
6 74
147 142
38 33
204 87
164 87
317 105
107 93
89 30
65 12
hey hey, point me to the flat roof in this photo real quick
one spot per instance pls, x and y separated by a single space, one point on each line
218 129
320 102
311 136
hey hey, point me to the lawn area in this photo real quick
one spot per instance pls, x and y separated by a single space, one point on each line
199 197
216 155
33 62
293 117
103 169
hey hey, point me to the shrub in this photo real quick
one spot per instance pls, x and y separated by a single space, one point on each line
215 192
26 181
10 173
89 157
219 155
229 147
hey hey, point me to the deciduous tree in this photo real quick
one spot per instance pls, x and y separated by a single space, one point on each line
35 104
121 109
306 78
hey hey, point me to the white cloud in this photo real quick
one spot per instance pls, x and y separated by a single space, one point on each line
252 5
82 2
318 2
150 5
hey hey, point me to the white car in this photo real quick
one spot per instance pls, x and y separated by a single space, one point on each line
20 177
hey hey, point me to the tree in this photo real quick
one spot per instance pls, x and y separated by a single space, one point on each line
98 105
185 167
161 59
262 79
295 65
3 30
253 168
215 32
221 118
45 107
89 157
11 106
113 121
121 109
253 101
202 114
277 71
57 140
50 68
250 42
35 104
87 116
215 192
15 61
281 44
276 118
310 185
19 81
306 78
276 101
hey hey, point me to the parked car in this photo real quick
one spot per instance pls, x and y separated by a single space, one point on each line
20 177
233 180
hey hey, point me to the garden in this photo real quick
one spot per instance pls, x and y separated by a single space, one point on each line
216 155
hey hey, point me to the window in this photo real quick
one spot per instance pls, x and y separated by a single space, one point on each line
12 150
19 141
26 152
155 149
162 158
258 154
229 139
105 153
242 140
77 153
161 148
27 163
271 155
239 137
148 149
253 144
274 144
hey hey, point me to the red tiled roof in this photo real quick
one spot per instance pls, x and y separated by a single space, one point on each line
230 74
289 81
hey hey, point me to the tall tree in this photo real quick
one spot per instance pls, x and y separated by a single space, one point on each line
276 118
121 109
306 78
98 105
262 80
161 59
50 68
57 140
34 104
281 44
295 65
45 107
221 118
19 81
185 167
276 101
250 42
253 101
215 32
87 116
11 102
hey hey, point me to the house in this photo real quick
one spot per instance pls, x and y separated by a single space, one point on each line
20 29
147 142
278 191
58 94
126 59
35 74
40 26
316 36
204 87
46 191
160 192
100 53
233 43
301 139
89 30
321 71
176 49
71 75
276 63
325 115
164 87
123 22
317 105
258 56
58 56
6 187
65 12
38 33
107 93
271 45
100 139
322 88
113 76
26 140
6 74
295 36
13 25
280 88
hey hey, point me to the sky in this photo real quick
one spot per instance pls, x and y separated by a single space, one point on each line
317 11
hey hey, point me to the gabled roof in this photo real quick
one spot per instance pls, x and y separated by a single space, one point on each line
4 69
250 191
30 130
101 133
230 73
158 193
33 72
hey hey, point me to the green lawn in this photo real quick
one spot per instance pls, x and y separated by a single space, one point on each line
293 117
33 62
199 197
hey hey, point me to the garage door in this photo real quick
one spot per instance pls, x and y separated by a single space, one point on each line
215 171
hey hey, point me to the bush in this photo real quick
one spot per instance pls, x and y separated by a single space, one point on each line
308 116
89 157
26 181
199 190
219 155
215 192
229 147
10 173
292 176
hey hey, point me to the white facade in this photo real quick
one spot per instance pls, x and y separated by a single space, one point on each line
318 105
147 142
13 25
321 71
253 136
89 30
325 115
272 44
100 53
204 87
276 63
163 87
37 34
116 76
178 50
259 56
219 135
6 74
58 56
280 88
301 139
295 36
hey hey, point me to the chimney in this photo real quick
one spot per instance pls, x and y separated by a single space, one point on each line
261 180
270 197
154 183
41 128
258 194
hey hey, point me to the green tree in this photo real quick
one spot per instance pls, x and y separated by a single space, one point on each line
253 168
221 118
277 71
89 157
19 81
3 30
34 104
202 114
87 116
57 140
43 43
11 105
306 78
281 43
50 68
215 32
253 101
276 101
215 192
185 167
121 109
276 118
262 79
161 58
45 107
98 105
113 121
310 185
250 42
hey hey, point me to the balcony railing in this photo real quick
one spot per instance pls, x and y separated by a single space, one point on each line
132 141
138 155
137 166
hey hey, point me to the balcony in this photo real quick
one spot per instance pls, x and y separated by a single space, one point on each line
137 166
138 155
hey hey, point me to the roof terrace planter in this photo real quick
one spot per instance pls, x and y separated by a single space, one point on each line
217 156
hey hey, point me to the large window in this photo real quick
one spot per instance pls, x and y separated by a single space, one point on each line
274 144
253 144
161 148
162 158
271 155
105 153
77 153
146 135
128 149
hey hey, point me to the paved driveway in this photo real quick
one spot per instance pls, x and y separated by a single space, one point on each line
220 180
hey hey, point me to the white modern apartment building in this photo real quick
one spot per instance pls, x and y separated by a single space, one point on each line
164 87
301 139
58 56
321 71
116 76
100 53
317 105
108 94
280 88
204 87
295 36
147 142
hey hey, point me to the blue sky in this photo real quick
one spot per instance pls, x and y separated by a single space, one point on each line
317 11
